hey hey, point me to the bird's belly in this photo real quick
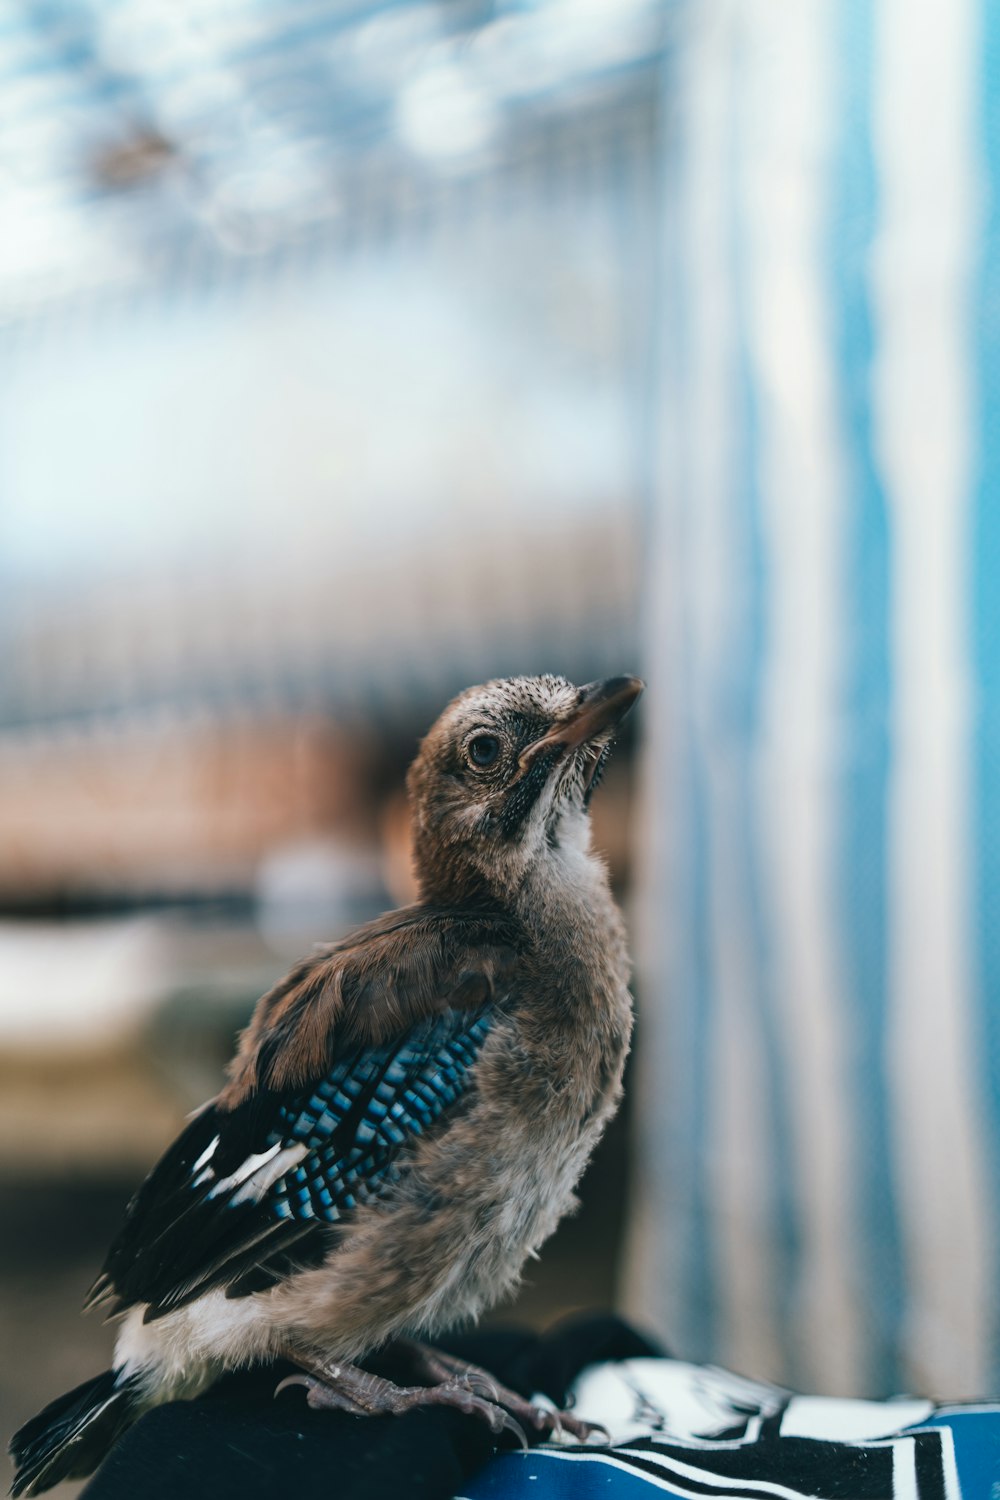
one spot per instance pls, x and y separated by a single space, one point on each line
512 1220
452 1240
526 1168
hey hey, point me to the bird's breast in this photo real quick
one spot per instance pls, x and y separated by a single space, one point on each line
484 1191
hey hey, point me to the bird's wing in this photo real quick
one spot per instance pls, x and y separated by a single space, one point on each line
360 1051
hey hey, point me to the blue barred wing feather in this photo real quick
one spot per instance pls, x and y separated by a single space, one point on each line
365 1110
248 1196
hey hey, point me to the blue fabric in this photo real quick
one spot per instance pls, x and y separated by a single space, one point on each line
861 855
985 618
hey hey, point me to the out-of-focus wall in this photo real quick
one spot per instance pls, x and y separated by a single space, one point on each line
818 1057
180 808
323 337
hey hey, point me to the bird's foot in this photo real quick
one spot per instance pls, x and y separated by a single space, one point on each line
343 1387
435 1364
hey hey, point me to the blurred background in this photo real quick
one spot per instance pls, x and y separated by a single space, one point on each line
351 353
324 346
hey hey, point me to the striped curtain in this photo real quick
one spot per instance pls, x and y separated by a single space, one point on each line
817 1195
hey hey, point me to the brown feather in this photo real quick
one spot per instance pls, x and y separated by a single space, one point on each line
369 987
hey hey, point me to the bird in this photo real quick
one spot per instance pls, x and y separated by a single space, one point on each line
406 1116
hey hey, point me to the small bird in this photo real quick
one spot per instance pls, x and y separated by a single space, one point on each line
407 1114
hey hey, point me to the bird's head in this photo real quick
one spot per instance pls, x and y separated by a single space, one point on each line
504 779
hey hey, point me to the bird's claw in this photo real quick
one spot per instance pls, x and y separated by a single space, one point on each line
458 1392
510 1425
283 1385
582 1431
593 1427
353 1390
435 1364
479 1384
465 1388
321 1395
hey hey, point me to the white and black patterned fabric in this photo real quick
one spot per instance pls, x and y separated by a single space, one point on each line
690 1431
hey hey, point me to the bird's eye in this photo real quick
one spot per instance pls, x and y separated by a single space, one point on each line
483 750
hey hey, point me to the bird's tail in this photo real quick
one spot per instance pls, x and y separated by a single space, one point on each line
70 1437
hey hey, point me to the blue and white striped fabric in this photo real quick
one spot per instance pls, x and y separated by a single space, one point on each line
819 1050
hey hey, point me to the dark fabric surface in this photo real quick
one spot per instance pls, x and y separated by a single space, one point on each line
239 1442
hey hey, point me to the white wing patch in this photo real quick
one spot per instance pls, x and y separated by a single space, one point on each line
256 1173
208 1152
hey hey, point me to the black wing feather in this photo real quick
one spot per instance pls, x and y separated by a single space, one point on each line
247 1195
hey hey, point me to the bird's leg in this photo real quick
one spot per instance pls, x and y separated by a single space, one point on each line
435 1364
344 1387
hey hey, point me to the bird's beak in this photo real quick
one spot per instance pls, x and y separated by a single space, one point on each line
602 706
